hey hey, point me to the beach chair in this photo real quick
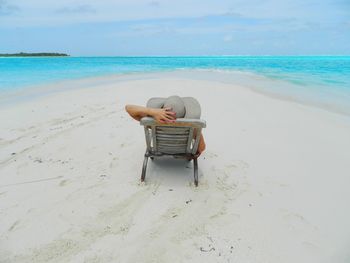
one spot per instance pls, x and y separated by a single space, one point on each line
179 139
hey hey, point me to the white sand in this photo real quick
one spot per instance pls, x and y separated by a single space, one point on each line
273 186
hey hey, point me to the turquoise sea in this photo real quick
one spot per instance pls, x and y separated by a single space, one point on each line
325 79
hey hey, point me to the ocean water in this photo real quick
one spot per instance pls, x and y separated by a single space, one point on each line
322 79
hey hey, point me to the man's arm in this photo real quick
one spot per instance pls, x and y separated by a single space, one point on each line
160 115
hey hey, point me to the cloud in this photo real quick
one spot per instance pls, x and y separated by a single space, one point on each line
347 24
228 38
181 26
154 3
7 9
152 29
343 2
232 13
80 9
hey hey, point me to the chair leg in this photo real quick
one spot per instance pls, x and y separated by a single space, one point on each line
195 166
144 168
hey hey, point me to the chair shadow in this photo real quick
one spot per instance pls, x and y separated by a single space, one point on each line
170 170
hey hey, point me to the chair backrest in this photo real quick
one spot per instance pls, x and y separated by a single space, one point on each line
181 137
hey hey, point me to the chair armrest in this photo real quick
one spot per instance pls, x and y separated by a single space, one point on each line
180 122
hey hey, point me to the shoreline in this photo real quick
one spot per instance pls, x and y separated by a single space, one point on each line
243 79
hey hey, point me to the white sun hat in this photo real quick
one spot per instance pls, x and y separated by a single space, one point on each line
184 107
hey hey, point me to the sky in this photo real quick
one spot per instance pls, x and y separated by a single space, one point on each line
176 27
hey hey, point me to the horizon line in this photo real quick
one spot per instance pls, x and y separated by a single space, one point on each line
189 56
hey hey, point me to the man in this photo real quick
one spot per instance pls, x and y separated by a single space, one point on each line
166 110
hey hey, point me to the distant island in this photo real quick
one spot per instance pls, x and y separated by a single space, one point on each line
22 54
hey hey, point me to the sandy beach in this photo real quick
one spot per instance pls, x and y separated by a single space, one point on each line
273 182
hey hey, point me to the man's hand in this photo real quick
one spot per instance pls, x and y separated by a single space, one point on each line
160 115
163 115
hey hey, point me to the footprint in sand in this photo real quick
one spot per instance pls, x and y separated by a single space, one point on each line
297 222
211 155
172 213
231 179
13 226
63 182
114 162
311 246
238 164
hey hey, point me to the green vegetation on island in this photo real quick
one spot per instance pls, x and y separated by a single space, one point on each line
22 54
